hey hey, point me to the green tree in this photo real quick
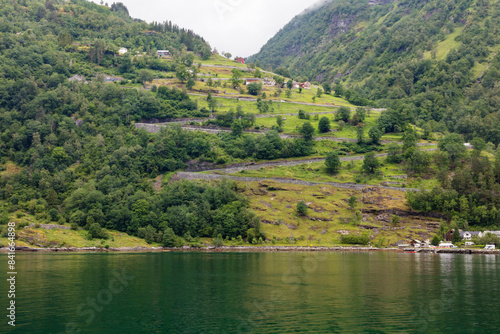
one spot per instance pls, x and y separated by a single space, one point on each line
237 128
145 76
302 208
409 139
453 145
339 90
169 238
435 240
210 83
289 84
370 163
254 88
360 134
456 236
307 131
333 162
394 153
319 92
418 162
182 74
54 214
280 122
361 114
344 114
324 124
236 77
478 144
190 84
327 87
375 135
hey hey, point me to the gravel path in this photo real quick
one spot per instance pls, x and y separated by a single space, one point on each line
156 128
255 166
353 186
249 99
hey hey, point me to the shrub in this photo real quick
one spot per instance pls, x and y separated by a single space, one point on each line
96 231
352 202
217 241
303 115
353 239
302 208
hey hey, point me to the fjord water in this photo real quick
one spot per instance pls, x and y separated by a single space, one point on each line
256 293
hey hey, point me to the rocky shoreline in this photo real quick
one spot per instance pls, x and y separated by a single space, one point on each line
25 249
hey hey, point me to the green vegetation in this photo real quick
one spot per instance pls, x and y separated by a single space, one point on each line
329 217
468 187
69 153
433 64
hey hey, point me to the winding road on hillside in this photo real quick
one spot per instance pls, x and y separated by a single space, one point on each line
212 174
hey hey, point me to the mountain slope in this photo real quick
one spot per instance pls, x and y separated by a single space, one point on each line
434 62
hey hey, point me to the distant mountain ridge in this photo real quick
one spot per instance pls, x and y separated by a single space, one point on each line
430 61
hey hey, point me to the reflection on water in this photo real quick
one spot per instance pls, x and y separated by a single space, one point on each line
257 293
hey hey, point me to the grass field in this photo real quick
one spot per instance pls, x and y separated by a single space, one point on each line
225 105
293 123
351 172
445 46
329 215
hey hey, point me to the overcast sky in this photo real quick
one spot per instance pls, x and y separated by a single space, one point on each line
236 26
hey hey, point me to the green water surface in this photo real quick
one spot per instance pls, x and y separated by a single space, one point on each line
255 293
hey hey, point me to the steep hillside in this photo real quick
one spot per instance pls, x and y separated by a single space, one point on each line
434 62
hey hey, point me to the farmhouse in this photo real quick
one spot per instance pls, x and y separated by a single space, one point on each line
305 85
162 53
467 235
122 51
240 60
268 82
250 81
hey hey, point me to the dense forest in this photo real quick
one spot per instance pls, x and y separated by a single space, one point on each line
77 157
433 63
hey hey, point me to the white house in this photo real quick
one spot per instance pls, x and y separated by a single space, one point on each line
162 53
268 82
467 235
469 243
446 245
251 81
490 247
122 51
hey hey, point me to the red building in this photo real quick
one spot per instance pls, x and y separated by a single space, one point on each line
240 60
